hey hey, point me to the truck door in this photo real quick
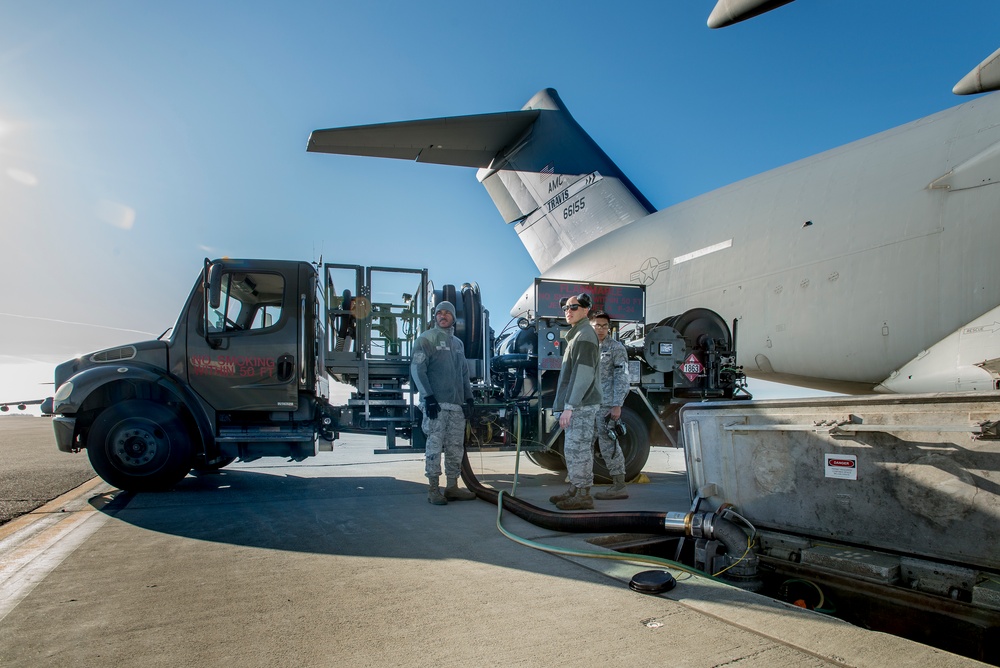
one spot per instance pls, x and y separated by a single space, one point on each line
249 359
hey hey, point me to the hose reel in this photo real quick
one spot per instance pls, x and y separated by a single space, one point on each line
696 330
468 303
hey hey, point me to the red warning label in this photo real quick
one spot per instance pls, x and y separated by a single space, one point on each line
844 467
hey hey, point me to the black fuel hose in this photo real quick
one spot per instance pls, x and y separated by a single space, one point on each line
741 572
596 522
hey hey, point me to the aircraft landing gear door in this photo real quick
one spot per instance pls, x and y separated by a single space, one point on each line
243 348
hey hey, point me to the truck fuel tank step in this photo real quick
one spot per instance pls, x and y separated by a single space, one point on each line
264 434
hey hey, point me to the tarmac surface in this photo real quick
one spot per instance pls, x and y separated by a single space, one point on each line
32 470
340 560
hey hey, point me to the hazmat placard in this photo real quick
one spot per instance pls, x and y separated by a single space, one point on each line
692 367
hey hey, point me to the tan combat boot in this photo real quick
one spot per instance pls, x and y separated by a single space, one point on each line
580 500
616 491
434 494
454 493
562 497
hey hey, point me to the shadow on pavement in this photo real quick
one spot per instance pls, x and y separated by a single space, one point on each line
349 515
379 517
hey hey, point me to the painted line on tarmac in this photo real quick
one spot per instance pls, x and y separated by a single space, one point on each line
56 505
33 545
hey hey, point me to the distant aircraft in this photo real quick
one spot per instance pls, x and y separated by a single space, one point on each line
21 405
867 268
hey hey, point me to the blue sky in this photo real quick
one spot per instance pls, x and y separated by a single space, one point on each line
137 137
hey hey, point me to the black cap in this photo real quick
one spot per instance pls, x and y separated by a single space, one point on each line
652 582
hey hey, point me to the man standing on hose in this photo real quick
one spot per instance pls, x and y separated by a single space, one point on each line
441 375
578 397
614 387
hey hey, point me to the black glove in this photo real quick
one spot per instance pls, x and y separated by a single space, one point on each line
470 405
433 407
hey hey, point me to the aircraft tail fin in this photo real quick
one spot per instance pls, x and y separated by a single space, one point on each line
542 170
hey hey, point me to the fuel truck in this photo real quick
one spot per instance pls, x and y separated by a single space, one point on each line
880 510
248 369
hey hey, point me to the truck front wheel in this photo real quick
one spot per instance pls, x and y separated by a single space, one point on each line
139 446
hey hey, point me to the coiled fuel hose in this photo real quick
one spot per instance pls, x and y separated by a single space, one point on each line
590 554
642 522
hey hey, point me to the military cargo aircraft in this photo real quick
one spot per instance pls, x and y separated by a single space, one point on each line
866 268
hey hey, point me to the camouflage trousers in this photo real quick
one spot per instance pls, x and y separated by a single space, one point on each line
445 434
610 450
578 448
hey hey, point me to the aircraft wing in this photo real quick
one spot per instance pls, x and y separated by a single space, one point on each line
464 141
728 12
984 78
21 405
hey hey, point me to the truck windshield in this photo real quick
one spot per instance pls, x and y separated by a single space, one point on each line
250 301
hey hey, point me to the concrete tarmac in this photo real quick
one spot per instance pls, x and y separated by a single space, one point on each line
341 561
32 470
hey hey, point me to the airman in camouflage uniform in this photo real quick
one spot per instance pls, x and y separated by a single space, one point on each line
441 375
578 397
614 387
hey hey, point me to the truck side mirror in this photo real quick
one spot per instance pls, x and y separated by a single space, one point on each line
214 286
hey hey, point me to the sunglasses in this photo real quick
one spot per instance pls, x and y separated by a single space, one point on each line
571 307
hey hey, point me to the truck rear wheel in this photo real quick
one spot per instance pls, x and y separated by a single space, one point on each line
634 445
140 446
547 459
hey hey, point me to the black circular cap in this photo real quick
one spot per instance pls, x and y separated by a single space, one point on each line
652 582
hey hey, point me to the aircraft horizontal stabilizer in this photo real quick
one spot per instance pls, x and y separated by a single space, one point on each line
542 170
464 141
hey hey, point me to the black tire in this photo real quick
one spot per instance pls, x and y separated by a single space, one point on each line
473 312
634 445
449 294
547 459
140 446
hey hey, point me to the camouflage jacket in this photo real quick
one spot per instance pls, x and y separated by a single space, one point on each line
614 372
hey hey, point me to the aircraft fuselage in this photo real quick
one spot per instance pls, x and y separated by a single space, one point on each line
841 267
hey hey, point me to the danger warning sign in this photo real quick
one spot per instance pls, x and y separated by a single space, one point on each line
692 368
844 467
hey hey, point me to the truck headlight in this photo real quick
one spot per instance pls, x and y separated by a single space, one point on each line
66 389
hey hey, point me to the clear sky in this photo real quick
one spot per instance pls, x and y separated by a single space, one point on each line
136 138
